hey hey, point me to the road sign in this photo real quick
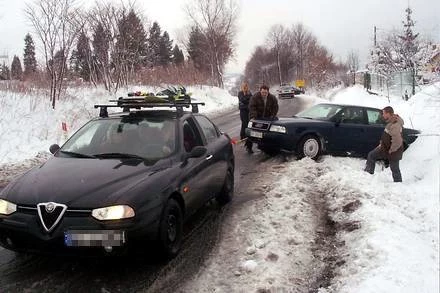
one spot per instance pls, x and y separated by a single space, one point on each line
300 82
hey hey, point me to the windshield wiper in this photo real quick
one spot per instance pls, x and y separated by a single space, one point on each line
78 155
118 156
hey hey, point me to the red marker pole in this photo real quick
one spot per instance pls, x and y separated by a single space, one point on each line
64 128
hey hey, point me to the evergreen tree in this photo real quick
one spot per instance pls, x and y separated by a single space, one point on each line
154 44
397 52
165 49
58 60
4 72
409 45
16 70
81 57
197 48
178 57
101 44
29 60
101 47
131 41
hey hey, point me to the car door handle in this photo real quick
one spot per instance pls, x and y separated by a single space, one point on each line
208 157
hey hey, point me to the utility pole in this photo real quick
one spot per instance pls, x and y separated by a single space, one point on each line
375 30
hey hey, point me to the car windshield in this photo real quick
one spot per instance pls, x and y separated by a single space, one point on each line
320 112
143 138
287 88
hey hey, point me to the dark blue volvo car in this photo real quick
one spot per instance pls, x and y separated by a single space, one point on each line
324 129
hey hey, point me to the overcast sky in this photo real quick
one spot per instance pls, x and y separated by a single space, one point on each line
340 25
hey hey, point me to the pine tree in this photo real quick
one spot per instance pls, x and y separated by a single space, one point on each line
397 52
165 49
409 41
58 60
197 48
101 44
178 57
29 60
81 57
16 70
154 44
4 72
131 41
101 47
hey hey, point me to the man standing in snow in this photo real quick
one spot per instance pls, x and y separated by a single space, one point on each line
263 105
391 145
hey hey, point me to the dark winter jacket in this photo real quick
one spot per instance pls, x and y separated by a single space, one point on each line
391 141
243 100
258 110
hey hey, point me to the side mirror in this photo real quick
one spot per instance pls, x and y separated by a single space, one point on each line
54 148
338 119
197 152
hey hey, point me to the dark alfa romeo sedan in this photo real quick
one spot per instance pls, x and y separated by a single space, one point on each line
121 180
324 128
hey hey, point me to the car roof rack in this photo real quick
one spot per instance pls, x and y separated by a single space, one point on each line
165 99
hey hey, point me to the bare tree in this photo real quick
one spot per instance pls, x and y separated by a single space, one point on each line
353 61
57 24
217 20
277 39
303 44
298 54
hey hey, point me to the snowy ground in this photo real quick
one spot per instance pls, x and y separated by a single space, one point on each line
390 231
394 246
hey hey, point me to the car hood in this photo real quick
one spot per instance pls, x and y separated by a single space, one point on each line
81 183
292 120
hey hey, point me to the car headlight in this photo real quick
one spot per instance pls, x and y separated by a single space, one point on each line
113 213
250 124
6 207
278 128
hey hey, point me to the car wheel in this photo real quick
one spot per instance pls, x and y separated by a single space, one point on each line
171 229
227 191
310 146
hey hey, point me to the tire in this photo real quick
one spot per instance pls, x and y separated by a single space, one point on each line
227 191
171 229
310 146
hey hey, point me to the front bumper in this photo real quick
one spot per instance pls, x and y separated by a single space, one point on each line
77 231
272 140
286 95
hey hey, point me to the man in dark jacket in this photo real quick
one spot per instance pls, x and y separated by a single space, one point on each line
391 145
263 105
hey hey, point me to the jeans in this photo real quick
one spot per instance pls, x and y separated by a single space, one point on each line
378 154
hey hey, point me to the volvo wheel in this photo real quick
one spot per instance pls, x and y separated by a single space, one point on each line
310 146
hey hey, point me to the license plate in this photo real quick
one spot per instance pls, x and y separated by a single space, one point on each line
256 134
93 238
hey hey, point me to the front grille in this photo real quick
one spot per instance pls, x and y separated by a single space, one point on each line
69 212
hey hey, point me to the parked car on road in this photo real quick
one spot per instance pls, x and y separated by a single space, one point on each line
324 128
120 181
288 91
